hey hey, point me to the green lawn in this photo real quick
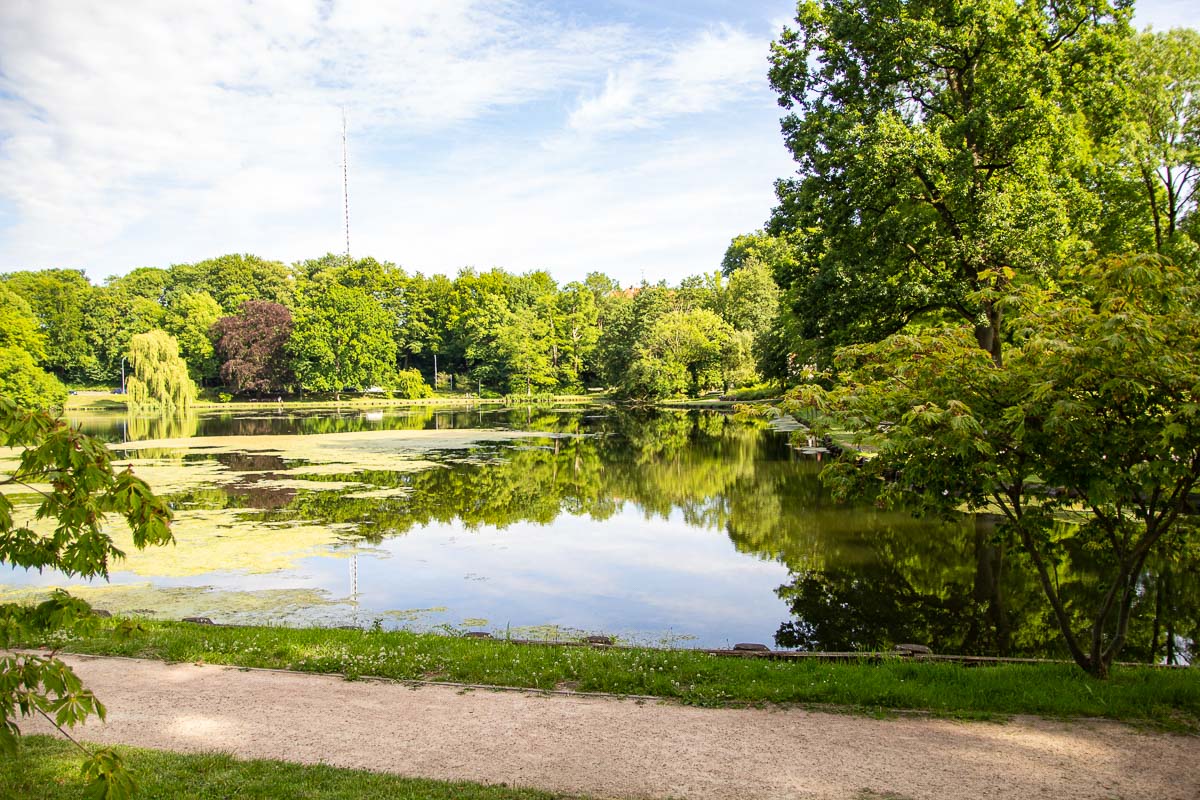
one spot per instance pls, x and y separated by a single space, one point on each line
1163 698
48 769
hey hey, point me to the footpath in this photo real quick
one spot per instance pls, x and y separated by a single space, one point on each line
608 747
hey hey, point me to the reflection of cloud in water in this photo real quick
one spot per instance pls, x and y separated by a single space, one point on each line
656 575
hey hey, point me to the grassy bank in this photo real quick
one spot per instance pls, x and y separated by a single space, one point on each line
1163 698
49 769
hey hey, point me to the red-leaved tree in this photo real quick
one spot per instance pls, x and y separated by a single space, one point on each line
250 345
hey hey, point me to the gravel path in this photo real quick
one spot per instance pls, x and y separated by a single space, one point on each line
609 747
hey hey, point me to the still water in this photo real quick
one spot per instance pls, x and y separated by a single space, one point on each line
677 528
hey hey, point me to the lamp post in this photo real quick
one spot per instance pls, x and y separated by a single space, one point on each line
122 374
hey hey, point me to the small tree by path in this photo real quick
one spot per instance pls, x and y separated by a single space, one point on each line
75 477
1090 429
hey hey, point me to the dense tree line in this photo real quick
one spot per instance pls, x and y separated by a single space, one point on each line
331 325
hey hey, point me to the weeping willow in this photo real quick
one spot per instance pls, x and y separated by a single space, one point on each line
160 377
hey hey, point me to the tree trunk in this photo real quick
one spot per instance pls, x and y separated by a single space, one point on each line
987 333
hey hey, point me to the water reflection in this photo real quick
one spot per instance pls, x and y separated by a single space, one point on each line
618 501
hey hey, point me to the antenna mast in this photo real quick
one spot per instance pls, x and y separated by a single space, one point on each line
345 183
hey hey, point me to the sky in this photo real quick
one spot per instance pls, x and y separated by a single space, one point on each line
631 137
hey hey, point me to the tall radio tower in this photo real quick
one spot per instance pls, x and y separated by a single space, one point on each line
345 184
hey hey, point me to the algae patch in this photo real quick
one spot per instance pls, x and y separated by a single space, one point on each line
174 602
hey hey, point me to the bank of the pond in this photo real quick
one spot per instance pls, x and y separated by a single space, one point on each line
49 769
102 401
1162 698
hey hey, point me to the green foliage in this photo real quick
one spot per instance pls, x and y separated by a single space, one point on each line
684 351
774 251
19 327
1165 133
411 385
233 279
160 377
59 299
938 142
1091 420
190 317
751 299
576 335
524 345
503 333
82 490
22 381
22 345
341 339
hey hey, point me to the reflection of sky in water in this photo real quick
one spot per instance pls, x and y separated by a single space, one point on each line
648 580
627 575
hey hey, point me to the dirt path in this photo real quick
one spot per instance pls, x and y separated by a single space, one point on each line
622 747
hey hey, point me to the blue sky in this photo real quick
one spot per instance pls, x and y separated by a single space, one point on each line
634 138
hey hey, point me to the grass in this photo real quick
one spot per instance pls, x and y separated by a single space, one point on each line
1161 698
49 769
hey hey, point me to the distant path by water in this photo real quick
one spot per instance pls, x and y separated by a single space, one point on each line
607 747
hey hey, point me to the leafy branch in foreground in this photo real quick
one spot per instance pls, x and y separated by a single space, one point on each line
73 473
1090 428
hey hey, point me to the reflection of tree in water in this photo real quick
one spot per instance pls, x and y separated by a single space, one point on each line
895 580
144 427
862 578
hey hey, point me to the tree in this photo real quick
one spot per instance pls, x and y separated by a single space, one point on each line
81 490
758 246
233 279
629 319
1089 432
251 345
24 382
1166 110
577 334
422 320
22 345
342 338
160 377
524 342
684 351
751 299
58 299
937 142
189 318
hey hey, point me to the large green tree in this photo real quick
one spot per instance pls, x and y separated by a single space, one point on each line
1088 433
341 339
59 300
22 347
938 142
682 352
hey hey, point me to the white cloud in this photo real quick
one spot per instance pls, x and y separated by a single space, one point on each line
149 133
698 76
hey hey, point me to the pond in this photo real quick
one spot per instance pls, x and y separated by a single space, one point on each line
678 528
